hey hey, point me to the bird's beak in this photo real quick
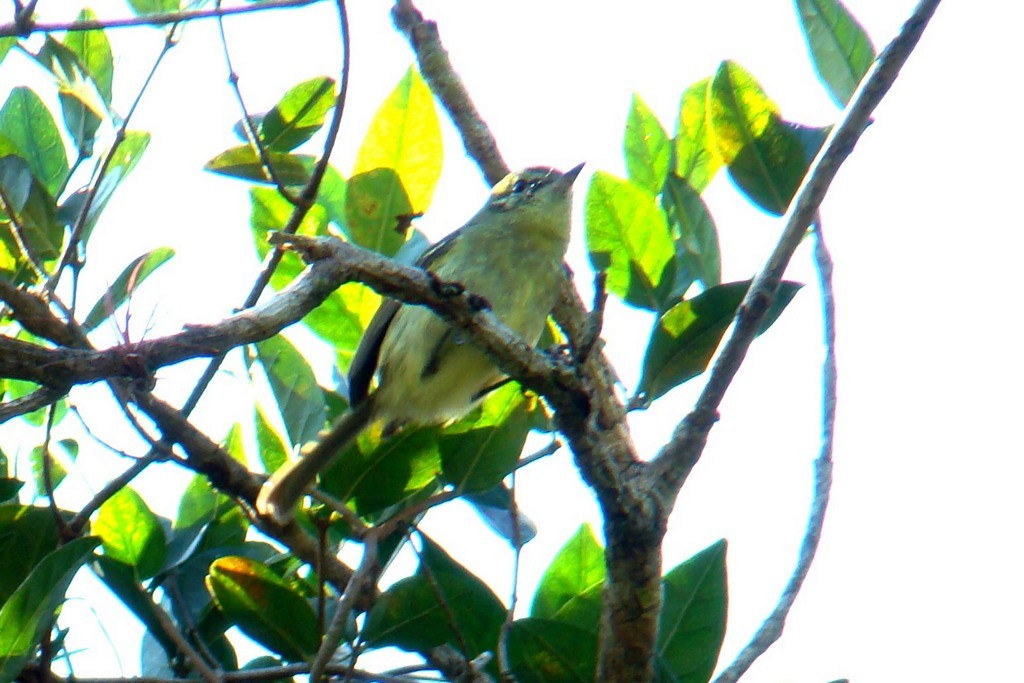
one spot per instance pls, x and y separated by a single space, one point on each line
570 176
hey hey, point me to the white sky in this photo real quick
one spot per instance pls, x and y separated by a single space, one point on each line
918 577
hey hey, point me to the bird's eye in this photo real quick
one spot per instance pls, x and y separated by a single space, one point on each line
520 186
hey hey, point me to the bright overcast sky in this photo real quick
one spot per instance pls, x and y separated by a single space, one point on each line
918 576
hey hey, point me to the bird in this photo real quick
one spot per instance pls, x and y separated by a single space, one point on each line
510 254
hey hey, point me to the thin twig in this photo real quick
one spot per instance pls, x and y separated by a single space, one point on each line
251 135
27 27
302 207
80 519
41 397
771 629
83 217
364 578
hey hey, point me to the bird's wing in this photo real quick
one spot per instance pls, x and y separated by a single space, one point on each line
367 355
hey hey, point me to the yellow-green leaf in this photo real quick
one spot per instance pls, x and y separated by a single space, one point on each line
628 238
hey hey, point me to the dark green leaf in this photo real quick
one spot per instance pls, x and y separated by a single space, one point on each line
264 607
480 450
27 124
244 162
692 622
696 160
131 533
443 603
766 159
405 137
628 238
578 567
125 285
26 535
379 473
299 398
544 651
9 488
685 336
299 114
647 148
840 49
28 613
696 239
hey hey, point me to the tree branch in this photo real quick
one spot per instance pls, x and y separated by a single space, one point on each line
437 69
26 27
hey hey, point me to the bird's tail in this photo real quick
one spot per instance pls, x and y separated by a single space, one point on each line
282 491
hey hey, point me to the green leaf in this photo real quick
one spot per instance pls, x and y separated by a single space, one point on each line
125 285
692 621
57 469
480 450
272 448
685 336
6 43
578 567
81 101
35 226
766 159
244 162
27 615
840 49
442 603
397 168
696 160
28 125
142 7
298 396
698 256
299 114
202 505
379 473
374 202
269 213
131 533
93 51
27 534
264 607
544 651
342 318
647 148
628 238
405 136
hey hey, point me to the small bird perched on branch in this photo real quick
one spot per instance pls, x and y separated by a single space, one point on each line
510 253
